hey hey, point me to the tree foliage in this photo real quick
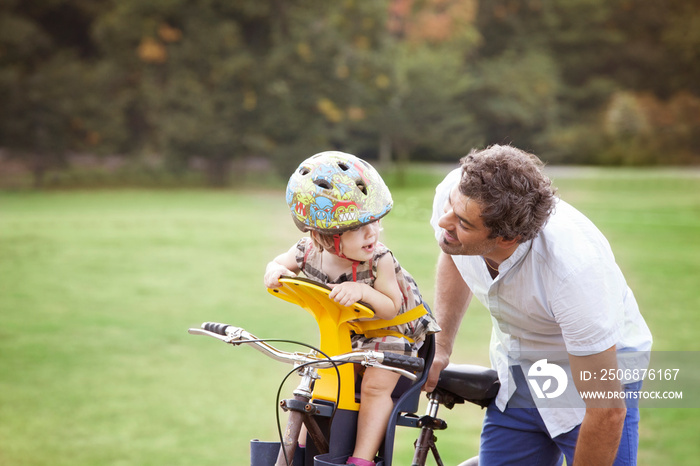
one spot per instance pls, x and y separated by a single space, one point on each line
47 86
587 81
594 52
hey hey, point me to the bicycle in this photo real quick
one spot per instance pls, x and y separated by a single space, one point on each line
325 401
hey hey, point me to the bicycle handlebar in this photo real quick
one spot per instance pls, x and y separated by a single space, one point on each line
401 364
215 327
408 363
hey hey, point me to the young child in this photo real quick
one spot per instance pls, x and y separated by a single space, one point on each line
340 198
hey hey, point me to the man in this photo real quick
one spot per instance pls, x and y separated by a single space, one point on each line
549 279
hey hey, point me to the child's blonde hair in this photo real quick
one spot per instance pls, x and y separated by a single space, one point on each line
324 241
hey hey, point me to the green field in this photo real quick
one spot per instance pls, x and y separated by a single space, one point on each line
98 288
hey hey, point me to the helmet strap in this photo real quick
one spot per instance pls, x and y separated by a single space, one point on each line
336 244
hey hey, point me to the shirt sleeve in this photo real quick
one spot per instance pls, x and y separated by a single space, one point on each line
303 246
589 307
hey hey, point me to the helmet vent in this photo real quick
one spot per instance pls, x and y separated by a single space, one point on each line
321 183
343 166
304 171
362 187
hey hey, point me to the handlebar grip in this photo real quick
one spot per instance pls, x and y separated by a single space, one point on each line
215 327
409 363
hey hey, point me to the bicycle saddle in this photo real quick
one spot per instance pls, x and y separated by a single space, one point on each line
466 382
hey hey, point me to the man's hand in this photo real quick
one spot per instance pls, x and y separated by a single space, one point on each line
440 361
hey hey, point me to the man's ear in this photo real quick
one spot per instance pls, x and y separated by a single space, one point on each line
508 243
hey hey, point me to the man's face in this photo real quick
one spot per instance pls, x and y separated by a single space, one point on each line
463 231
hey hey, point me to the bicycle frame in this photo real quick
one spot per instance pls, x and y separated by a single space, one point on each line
302 409
325 399
458 383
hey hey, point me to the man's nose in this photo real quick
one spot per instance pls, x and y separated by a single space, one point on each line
445 219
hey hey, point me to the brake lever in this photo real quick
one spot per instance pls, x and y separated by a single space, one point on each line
207 333
409 375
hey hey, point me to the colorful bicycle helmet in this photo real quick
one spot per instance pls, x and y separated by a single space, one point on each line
333 191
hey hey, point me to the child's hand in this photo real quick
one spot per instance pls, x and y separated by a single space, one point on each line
347 293
273 272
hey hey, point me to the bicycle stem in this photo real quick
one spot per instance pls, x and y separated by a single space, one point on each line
305 388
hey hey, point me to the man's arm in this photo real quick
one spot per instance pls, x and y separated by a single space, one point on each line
452 296
601 429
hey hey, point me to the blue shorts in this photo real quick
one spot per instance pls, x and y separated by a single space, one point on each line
518 436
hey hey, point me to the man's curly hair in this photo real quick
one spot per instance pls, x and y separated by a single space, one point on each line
515 196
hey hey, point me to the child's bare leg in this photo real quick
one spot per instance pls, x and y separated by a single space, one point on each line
375 409
302 436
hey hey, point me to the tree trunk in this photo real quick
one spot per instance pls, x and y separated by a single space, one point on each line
218 171
38 175
384 151
403 157
39 165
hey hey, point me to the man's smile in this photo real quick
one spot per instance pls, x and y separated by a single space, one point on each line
448 238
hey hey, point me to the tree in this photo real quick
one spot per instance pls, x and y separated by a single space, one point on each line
46 82
222 80
423 106
589 51
186 75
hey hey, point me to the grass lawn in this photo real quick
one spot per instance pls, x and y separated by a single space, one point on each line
98 288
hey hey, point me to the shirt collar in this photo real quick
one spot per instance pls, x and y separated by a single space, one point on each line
517 257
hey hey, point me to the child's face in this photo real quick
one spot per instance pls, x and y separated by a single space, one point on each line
358 244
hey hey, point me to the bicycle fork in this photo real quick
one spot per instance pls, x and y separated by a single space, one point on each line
426 439
301 412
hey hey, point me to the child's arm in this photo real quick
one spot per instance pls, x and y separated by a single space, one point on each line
385 297
283 265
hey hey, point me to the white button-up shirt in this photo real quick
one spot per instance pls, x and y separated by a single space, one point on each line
559 293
